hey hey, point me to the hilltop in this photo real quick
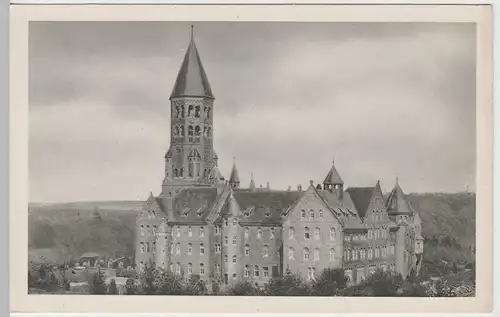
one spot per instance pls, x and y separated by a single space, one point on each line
64 231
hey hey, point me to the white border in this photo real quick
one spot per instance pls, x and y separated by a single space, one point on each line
21 302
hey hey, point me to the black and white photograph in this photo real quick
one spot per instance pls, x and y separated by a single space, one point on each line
252 158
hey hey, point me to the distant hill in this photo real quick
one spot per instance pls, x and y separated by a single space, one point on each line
71 229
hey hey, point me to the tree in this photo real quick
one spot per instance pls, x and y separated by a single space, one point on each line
329 282
97 283
112 289
130 286
288 285
195 286
167 283
147 279
244 288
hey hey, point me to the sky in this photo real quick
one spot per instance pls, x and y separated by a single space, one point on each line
383 100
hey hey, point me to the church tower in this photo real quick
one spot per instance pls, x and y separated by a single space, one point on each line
191 156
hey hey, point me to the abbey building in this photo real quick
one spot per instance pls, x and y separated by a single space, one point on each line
203 224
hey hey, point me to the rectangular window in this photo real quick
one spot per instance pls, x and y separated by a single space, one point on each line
311 214
217 230
202 232
234 240
266 271
217 247
178 231
321 213
303 214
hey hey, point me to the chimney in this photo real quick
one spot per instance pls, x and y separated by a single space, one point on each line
299 187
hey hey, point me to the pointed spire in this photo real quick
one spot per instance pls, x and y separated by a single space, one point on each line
192 80
234 179
397 203
333 177
252 184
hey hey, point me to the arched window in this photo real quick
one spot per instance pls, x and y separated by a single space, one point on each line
226 240
306 253
197 131
247 270
259 233
197 112
176 173
154 246
291 253
306 233
291 233
202 269
190 130
225 258
332 234
190 231
256 271
303 214
190 268
265 250
316 254
235 222
142 230
202 232
190 169
181 172
273 233
317 234
321 213
234 240
178 248
171 267
178 231
178 268
247 249
147 246
190 111
234 258
190 249
202 249
247 231
311 214
332 254
143 249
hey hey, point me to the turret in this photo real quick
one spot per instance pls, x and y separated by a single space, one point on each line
234 179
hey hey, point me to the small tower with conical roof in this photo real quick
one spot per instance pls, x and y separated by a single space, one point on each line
252 184
234 179
191 156
333 180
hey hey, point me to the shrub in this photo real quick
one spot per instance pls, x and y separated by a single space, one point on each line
288 285
112 289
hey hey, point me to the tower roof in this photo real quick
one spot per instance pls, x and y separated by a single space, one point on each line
397 203
333 177
192 80
252 184
234 178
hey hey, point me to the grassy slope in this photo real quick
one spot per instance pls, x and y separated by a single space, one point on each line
68 230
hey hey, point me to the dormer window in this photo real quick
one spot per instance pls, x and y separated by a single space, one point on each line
267 213
185 212
199 212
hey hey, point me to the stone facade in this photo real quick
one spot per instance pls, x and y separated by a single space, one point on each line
202 224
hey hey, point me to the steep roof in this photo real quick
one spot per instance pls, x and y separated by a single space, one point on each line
333 177
234 178
192 80
252 184
361 197
193 205
397 203
266 206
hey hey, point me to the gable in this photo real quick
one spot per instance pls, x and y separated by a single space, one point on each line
309 200
361 198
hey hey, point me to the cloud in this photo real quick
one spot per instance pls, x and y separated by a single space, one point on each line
384 99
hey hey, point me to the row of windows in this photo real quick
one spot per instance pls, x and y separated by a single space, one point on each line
256 271
147 228
317 233
144 246
178 268
370 253
378 216
193 111
189 249
311 214
380 233
306 254
177 231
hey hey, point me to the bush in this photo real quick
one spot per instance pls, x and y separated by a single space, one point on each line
130 286
112 289
97 283
195 286
167 283
329 282
288 285
244 288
